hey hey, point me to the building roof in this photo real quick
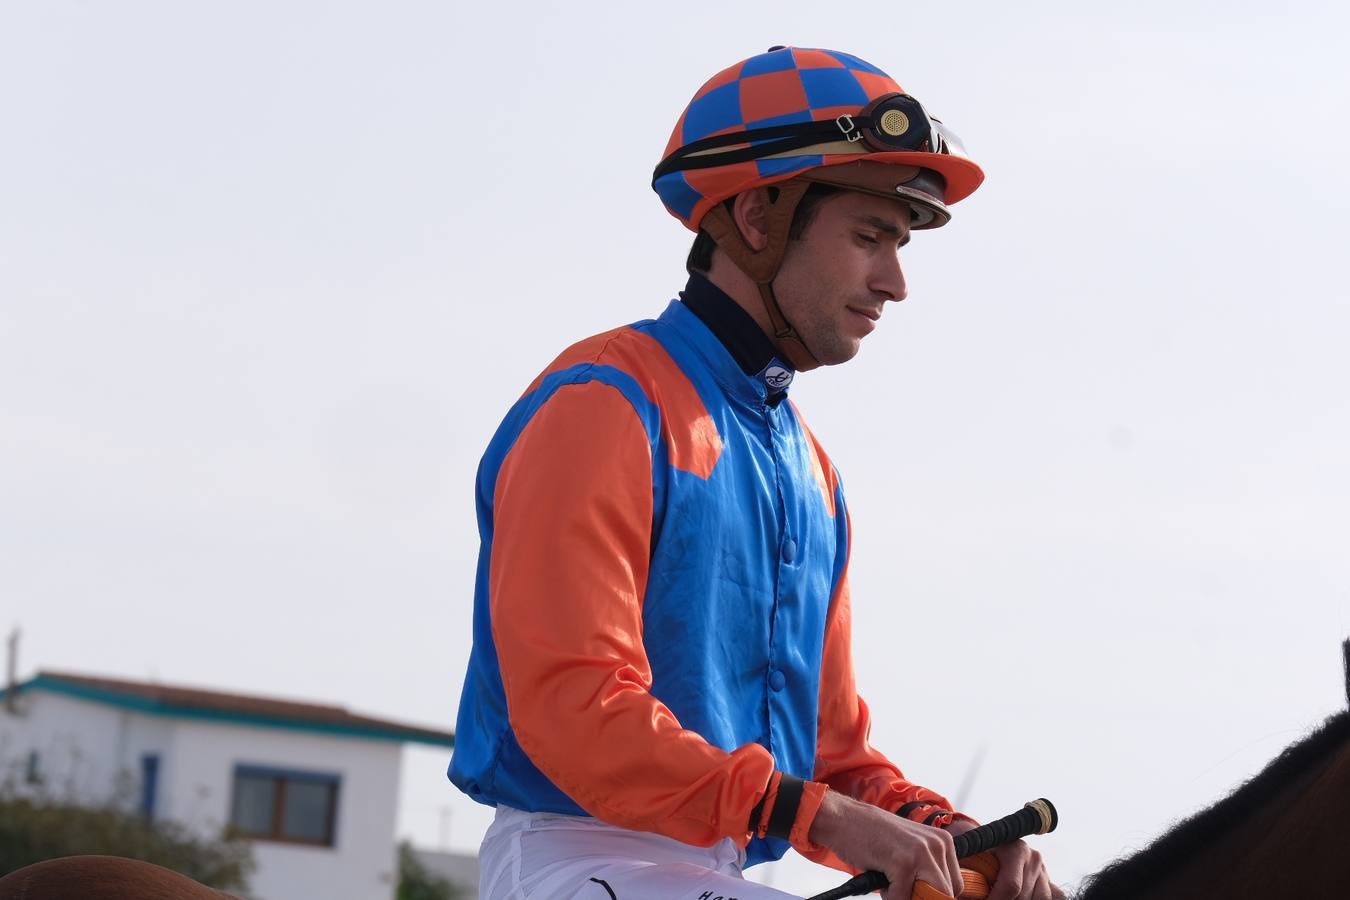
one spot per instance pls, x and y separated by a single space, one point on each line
195 703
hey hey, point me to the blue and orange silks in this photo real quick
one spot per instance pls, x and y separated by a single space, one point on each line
661 619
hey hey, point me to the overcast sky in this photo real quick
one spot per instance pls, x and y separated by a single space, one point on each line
270 274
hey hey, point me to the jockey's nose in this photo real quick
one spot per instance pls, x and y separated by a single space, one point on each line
888 278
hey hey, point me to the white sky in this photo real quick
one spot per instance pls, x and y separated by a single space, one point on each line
270 273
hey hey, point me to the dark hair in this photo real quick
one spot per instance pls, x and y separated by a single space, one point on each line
700 254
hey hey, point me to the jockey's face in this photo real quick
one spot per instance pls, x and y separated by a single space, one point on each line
837 277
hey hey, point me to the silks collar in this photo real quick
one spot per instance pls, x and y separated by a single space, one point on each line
752 349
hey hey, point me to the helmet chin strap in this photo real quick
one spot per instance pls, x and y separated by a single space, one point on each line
762 265
789 342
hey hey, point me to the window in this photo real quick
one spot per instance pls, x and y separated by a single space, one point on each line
284 805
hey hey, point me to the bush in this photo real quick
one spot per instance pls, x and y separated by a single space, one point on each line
34 829
416 883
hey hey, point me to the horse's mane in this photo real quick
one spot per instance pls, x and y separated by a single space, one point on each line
1125 877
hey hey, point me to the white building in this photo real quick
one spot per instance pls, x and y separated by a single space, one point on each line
315 788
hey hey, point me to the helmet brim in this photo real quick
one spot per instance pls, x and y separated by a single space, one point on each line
962 175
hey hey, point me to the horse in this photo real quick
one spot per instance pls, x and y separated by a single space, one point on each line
103 878
1277 836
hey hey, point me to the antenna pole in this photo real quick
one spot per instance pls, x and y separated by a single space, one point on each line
11 677
1345 653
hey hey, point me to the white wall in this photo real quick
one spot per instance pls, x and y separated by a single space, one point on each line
83 747
362 864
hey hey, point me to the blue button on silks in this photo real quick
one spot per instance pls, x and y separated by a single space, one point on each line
777 680
789 550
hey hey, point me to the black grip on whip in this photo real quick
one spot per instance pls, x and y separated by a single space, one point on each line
1037 817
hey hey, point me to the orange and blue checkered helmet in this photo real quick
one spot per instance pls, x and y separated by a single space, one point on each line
796 111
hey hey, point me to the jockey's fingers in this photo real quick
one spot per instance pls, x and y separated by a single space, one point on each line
1035 880
942 857
1038 876
1041 888
937 865
896 892
902 889
1008 884
946 859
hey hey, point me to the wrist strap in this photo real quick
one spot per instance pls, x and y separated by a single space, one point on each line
927 813
785 805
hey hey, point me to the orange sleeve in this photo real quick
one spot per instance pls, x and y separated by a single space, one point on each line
571 544
845 760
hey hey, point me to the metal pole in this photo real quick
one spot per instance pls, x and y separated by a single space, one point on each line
1345 653
12 668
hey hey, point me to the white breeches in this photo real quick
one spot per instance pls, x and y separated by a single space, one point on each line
545 856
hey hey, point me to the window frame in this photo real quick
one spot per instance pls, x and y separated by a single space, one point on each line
280 777
149 785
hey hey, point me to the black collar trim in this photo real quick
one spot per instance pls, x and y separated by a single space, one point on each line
733 326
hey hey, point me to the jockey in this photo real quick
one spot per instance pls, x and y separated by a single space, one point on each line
661 686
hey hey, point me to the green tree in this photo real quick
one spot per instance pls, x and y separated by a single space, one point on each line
33 830
416 883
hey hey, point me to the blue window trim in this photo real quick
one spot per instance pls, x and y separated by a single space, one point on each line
149 784
264 771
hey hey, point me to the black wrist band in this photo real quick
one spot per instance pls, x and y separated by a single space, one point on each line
904 811
790 790
757 813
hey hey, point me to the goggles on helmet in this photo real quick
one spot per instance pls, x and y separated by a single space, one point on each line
889 124
899 122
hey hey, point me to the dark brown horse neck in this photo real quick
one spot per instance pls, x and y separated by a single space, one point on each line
102 878
1281 835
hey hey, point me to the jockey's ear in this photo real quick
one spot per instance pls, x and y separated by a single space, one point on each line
750 213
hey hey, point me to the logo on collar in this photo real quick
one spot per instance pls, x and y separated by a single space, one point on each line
777 376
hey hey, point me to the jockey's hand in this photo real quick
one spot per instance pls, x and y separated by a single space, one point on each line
1021 871
870 838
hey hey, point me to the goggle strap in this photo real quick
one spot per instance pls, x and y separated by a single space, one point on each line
731 157
778 139
754 134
